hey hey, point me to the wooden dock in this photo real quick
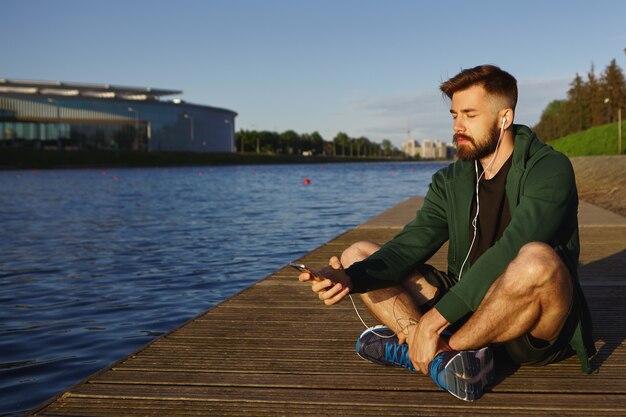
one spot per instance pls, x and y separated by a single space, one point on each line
274 350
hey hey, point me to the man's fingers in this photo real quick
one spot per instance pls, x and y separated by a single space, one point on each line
321 286
334 294
419 365
339 294
305 276
327 291
334 263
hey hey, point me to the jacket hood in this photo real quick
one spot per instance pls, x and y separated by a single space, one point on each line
526 145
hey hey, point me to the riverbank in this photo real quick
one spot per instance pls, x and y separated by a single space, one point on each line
35 159
601 180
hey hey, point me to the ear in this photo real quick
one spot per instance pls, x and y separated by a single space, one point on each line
506 116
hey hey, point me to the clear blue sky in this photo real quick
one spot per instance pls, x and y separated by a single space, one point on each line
363 67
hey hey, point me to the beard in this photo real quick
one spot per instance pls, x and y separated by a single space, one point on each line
472 150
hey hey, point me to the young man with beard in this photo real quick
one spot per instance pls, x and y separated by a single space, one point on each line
508 208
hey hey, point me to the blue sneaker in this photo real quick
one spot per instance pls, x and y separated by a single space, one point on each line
379 344
464 374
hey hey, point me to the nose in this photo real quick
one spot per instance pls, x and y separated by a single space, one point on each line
458 125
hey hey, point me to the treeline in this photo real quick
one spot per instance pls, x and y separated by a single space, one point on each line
590 102
293 143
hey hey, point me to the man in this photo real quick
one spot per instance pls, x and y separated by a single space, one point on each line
508 208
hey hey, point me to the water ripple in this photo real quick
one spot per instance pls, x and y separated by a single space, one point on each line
94 268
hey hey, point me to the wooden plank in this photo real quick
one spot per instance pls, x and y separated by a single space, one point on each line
525 380
594 404
85 406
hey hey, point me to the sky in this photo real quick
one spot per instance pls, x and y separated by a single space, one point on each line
364 67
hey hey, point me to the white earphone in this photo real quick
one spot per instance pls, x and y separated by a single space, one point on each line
478 178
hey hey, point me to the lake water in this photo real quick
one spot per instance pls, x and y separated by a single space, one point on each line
96 263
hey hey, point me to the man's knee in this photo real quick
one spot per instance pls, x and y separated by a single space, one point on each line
540 261
536 266
357 252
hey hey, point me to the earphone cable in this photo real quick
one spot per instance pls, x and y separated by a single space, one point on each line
475 220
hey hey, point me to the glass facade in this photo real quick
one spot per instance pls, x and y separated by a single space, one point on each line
46 122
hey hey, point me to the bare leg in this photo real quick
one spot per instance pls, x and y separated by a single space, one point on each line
396 306
533 295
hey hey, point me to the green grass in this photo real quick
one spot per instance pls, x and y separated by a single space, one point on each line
599 140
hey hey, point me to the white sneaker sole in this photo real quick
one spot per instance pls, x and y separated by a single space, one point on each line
467 374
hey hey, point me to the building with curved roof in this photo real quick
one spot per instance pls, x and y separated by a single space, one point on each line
67 115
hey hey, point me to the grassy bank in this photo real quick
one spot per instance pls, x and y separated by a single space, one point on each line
600 140
33 159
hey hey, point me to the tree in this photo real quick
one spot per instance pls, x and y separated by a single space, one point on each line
597 109
387 147
247 139
614 88
269 141
341 141
290 142
589 103
317 143
580 103
549 124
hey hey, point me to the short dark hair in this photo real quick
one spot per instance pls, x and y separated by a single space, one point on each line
495 81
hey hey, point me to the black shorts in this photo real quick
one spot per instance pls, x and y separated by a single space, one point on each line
526 349
439 279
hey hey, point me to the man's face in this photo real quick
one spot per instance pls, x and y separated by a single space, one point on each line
476 129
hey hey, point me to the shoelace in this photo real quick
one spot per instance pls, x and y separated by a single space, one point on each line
398 355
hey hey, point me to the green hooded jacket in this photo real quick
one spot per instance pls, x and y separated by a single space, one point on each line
543 200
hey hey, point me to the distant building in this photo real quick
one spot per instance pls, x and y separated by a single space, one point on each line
440 150
429 149
450 151
65 115
411 148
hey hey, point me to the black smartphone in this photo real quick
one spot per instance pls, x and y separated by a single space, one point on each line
304 268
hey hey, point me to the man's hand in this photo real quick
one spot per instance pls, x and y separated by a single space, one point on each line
424 340
332 283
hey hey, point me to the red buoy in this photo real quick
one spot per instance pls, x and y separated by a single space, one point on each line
307 181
